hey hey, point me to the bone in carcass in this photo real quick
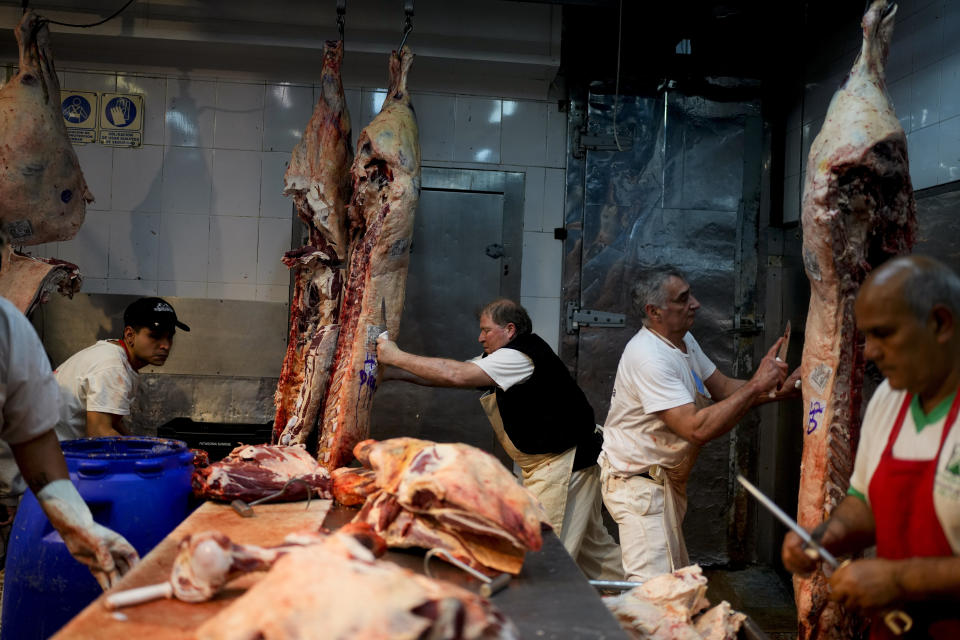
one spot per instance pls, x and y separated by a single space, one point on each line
206 561
250 472
311 344
43 195
858 210
386 187
27 281
318 179
339 591
452 496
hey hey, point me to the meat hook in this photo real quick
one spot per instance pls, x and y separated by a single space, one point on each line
341 12
488 585
245 509
407 23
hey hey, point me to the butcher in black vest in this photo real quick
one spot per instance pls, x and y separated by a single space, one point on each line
541 418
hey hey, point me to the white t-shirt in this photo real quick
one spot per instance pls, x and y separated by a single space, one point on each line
506 367
652 376
878 425
28 393
98 378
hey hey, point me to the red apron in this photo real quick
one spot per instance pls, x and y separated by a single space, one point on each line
901 498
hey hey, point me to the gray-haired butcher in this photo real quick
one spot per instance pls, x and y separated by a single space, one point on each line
541 418
668 400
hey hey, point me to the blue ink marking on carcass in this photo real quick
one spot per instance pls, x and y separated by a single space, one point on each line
812 422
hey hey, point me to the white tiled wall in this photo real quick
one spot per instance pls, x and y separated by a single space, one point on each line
197 211
923 80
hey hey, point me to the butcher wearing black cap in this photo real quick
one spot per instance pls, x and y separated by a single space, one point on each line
98 384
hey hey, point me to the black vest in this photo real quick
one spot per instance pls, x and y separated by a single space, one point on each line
548 413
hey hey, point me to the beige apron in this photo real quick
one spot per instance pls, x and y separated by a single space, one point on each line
674 482
546 475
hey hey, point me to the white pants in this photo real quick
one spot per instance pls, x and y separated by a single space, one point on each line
583 535
636 505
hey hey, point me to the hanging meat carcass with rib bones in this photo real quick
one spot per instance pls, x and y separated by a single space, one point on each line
858 210
386 188
318 179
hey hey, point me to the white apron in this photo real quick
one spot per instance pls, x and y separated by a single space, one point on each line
546 475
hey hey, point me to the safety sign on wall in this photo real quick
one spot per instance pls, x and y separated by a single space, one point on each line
121 119
79 110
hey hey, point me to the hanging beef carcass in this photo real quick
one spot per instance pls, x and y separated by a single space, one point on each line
452 496
386 187
337 590
43 195
27 281
858 210
318 179
251 472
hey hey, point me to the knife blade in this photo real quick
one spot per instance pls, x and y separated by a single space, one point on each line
785 345
789 522
383 317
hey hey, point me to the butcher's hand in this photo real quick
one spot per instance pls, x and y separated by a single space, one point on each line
106 553
387 350
789 388
795 557
771 371
866 584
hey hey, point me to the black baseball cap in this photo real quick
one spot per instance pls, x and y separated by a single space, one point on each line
153 313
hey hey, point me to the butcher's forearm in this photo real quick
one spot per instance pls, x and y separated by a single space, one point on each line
928 578
101 425
436 372
40 460
719 418
396 373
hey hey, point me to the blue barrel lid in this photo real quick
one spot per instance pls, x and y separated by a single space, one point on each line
98 457
122 447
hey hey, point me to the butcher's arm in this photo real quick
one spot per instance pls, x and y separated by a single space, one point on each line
40 460
721 387
700 426
395 373
875 583
436 372
105 424
849 529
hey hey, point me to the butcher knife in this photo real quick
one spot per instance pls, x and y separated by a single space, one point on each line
383 318
898 621
782 351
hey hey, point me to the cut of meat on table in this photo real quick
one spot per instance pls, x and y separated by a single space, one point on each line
318 179
208 560
858 210
452 496
386 188
337 590
668 607
28 282
720 623
352 486
250 472
43 195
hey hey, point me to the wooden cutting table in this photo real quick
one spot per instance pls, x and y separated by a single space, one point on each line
549 599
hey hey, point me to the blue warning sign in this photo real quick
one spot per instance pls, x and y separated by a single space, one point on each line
76 108
120 111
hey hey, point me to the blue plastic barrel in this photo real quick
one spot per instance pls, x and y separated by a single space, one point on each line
139 487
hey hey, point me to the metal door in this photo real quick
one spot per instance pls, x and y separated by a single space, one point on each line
466 251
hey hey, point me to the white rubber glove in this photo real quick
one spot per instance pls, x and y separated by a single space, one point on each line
106 553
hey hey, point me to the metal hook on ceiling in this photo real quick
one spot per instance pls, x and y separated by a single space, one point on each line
407 23
341 13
